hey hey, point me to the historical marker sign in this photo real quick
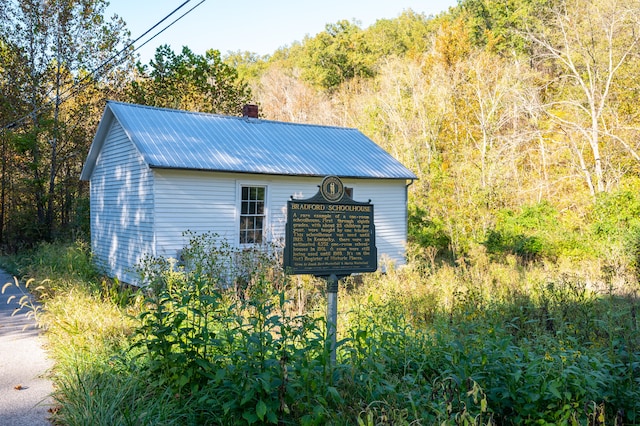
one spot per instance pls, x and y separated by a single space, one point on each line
330 233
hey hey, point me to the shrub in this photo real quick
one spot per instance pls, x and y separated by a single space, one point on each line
528 233
238 348
426 232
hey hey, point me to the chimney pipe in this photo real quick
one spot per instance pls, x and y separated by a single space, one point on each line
250 111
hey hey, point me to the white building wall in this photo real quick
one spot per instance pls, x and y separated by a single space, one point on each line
208 202
121 207
389 199
192 201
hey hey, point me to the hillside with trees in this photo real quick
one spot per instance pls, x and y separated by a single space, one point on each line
518 117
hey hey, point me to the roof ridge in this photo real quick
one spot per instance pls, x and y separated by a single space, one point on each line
233 117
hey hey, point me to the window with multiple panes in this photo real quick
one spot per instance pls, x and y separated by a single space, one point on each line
252 214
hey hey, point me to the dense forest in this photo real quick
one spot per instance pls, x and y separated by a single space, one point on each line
518 116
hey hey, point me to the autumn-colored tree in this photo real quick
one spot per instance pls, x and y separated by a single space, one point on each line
284 97
592 46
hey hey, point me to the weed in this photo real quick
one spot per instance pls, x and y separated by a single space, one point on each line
475 343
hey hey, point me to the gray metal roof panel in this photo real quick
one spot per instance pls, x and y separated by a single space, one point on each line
169 138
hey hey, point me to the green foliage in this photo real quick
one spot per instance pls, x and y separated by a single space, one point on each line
500 25
249 65
406 36
425 232
239 349
615 219
337 55
48 110
552 354
191 82
62 260
616 214
528 233
478 343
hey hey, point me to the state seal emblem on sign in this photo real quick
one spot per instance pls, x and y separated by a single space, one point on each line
332 189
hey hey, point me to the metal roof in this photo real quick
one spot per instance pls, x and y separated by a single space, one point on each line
177 139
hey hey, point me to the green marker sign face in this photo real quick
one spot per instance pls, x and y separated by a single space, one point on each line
324 237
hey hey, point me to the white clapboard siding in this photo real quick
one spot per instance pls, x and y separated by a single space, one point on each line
192 201
121 207
389 198
201 202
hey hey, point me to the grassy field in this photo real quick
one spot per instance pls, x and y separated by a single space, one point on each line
475 342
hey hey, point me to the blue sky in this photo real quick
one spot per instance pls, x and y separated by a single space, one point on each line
259 26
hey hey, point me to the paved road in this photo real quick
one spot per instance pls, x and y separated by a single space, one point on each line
24 389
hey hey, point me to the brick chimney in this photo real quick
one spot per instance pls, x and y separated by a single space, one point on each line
250 111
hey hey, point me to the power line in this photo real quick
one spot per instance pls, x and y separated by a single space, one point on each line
171 24
76 87
106 64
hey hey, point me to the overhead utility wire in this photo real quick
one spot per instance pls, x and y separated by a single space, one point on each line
76 87
168 26
104 64
124 49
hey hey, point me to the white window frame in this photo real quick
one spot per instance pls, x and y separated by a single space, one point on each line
265 213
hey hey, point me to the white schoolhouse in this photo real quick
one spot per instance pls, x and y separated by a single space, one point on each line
155 173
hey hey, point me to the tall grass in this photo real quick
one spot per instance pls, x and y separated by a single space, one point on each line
479 342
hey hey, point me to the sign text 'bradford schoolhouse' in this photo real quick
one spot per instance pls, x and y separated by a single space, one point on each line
330 233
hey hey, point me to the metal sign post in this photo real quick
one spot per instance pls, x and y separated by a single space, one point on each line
332 315
331 236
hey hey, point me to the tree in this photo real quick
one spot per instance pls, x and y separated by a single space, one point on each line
336 55
248 65
498 24
407 36
590 46
285 97
191 82
11 105
64 46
